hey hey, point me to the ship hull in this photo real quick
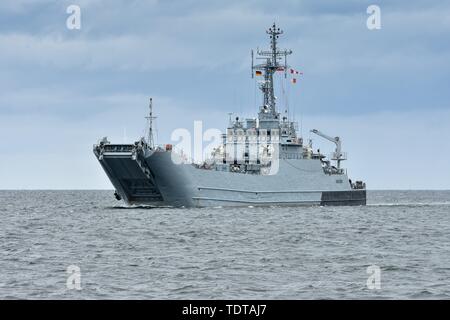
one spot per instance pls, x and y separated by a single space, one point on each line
261 161
153 178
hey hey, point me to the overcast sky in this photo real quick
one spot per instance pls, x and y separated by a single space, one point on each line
385 92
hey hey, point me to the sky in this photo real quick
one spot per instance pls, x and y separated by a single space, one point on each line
385 92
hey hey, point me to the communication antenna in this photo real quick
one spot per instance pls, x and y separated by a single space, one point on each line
252 64
150 119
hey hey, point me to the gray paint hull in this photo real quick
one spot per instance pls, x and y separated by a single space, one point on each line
156 180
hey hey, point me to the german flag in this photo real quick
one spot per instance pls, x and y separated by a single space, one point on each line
258 73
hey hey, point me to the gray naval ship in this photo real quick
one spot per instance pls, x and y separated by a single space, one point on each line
260 162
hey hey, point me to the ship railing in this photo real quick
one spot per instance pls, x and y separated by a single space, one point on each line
118 147
334 156
358 185
332 170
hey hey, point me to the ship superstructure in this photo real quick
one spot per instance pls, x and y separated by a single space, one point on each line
261 161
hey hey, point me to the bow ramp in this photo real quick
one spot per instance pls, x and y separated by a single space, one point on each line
130 175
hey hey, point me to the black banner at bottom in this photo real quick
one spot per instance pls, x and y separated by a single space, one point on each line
226 309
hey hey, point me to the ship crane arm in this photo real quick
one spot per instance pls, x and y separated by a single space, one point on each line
337 141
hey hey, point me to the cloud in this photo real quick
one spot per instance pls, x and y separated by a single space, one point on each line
386 92
328 38
123 52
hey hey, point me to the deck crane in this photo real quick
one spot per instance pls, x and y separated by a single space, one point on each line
338 155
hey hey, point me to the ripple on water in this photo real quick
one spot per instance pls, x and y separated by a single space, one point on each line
242 253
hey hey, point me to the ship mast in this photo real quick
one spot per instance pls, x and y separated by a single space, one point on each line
271 65
150 119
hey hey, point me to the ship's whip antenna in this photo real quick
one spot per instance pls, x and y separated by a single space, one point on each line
150 119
